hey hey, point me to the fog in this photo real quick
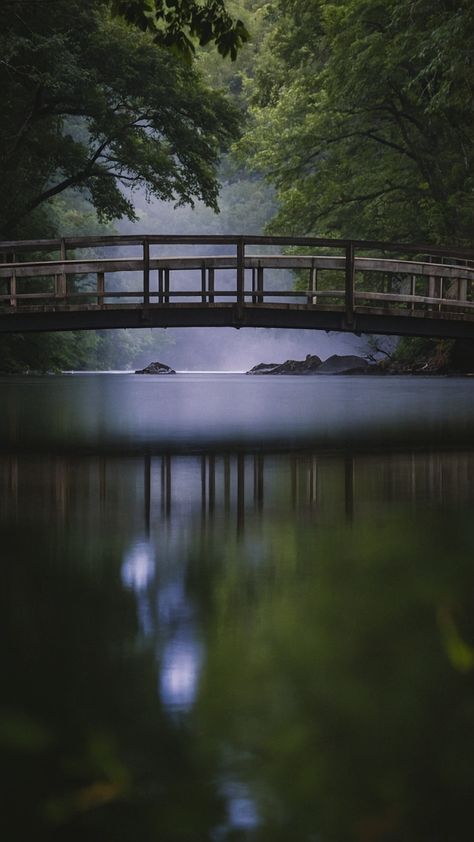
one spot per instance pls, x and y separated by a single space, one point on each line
246 206
228 349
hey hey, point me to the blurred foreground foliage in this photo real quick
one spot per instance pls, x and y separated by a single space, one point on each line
337 674
347 658
86 749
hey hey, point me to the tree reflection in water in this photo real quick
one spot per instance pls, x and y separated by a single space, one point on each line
237 647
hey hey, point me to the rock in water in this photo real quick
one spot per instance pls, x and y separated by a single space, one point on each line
263 368
344 365
156 368
312 364
307 366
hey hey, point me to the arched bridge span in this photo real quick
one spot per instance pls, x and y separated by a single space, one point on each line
133 281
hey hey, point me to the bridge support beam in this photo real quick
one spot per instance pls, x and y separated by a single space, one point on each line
430 323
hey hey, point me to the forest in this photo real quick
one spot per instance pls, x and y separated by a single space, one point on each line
348 118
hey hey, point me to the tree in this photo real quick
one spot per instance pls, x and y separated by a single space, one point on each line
92 103
178 23
363 119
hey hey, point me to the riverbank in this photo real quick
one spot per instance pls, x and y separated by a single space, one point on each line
425 357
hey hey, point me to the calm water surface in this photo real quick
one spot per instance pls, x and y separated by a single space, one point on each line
237 608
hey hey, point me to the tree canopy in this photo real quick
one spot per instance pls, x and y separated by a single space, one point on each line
178 23
91 102
362 117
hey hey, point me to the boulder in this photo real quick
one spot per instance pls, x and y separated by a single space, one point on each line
349 364
263 368
156 368
309 365
312 364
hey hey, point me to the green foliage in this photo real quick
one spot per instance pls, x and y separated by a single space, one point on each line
177 24
231 76
37 352
91 103
348 670
125 349
95 99
421 349
100 350
362 118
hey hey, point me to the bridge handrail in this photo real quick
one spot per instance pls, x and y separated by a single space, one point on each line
368 264
448 273
117 240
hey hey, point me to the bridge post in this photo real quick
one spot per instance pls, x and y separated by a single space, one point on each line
13 300
431 286
61 289
203 282
260 284
240 270
210 276
350 278
100 288
313 283
146 272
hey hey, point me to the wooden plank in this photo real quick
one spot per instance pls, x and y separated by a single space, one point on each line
266 294
397 267
84 267
76 267
173 239
25 295
295 261
409 299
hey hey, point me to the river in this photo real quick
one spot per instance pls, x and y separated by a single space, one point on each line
237 608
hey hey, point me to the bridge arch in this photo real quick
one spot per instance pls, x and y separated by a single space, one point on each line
133 281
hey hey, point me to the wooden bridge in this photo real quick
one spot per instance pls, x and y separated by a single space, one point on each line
91 283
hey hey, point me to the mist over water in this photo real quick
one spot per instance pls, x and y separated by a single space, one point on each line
228 349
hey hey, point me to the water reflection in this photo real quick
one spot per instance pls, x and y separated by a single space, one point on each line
138 567
167 616
180 671
226 646
160 498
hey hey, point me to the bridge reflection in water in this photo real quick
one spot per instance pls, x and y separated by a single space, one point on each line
144 495
224 563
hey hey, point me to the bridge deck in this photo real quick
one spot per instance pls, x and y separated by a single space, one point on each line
361 287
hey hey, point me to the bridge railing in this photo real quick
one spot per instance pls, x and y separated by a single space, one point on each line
335 274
